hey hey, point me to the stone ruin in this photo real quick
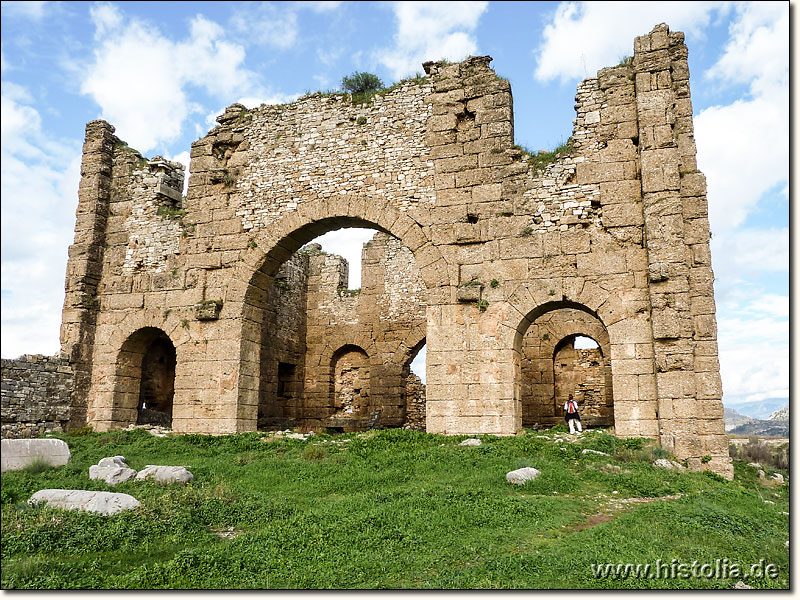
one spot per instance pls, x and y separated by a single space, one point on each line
209 310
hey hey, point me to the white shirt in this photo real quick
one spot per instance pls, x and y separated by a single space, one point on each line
566 405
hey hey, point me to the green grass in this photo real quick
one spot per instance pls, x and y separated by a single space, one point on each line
397 509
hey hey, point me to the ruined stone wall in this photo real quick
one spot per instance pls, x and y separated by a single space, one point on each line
385 320
36 394
283 346
415 403
616 226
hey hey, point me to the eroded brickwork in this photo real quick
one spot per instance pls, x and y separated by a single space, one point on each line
36 393
616 228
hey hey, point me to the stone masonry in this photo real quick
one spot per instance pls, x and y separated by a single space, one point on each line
337 358
35 395
614 228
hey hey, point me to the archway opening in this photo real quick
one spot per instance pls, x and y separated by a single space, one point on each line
579 370
415 396
305 309
350 370
145 386
565 350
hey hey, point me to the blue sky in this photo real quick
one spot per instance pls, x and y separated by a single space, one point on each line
161 71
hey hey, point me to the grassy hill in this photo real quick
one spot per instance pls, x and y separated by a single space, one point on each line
389 509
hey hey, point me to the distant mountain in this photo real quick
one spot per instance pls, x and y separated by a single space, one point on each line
733 419
757 427
780 414
774 423
759 409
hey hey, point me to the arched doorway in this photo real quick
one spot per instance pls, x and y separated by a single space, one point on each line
145 379
350 382
415 396
565 350
299 310
580 371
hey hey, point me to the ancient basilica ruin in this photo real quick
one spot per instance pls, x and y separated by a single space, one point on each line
212 313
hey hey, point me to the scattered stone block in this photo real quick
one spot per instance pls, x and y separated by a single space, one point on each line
113 461
111 475
165 474
18 454
523 475
112 470
103 503
609 468
471 442
590 451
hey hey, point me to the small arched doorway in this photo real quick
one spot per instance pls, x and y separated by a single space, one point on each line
146 379
414 388
579 370
565 350
350 382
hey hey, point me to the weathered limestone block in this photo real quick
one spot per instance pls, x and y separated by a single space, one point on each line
165 474
471 442
523 475
103 503
112 470
18 454
111 475
208 310
470 292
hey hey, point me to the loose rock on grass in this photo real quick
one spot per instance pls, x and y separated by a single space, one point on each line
520 476
103 503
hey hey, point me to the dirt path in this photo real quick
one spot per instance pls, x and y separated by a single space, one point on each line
616 506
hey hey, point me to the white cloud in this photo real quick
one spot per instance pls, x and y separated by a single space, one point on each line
140 78
267 24
106 18
319 7
746 252
754 350
347 242
329 55
751 133
39 182
418 364
431 31
28 9
586 36
760 34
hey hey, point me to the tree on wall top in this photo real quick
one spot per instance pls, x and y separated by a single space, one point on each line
361 85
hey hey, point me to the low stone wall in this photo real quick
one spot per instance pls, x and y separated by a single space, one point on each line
35 395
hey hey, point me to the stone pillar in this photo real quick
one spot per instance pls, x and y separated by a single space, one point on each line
471 365
680 277
85 263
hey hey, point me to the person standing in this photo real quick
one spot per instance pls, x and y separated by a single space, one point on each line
571 415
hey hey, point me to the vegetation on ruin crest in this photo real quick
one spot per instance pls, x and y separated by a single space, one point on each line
387 509
539 160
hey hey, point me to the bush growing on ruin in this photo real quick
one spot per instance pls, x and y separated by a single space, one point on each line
361 85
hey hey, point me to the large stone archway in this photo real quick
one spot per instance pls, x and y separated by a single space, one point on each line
277 244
